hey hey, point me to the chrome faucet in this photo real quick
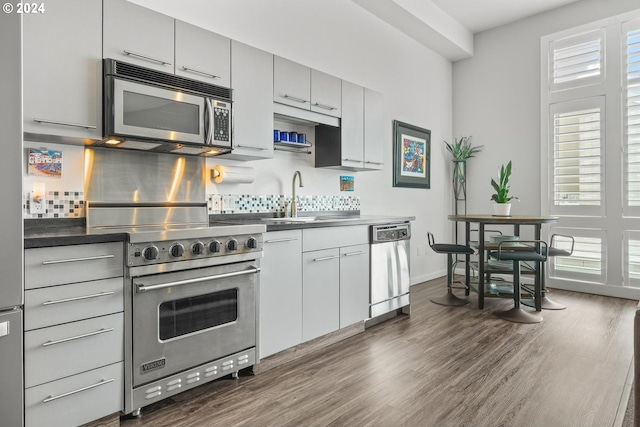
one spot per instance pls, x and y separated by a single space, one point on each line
294 206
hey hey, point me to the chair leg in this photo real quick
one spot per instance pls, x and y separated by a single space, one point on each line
449 299
545 303
517 314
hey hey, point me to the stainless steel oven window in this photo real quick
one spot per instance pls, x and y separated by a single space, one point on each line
192 314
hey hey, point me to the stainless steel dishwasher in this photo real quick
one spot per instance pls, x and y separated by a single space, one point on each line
390 278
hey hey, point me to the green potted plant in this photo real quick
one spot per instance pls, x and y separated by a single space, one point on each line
461 150
501 197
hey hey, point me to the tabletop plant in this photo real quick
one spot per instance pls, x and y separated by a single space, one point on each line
501 187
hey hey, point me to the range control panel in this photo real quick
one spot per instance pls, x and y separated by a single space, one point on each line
149 253
390 233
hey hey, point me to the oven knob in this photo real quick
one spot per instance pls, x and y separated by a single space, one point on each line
197 248
176 250
214 246
150 253
232 245
252 243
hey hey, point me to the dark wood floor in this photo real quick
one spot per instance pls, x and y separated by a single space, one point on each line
441 366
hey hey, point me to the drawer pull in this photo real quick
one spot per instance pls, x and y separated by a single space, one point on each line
323 106
288 239
89 258
75 125
148 58
326 258
101 294
354 253
204 73
89 387
77 337
251 148
296 99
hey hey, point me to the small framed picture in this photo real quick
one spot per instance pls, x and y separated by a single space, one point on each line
411 156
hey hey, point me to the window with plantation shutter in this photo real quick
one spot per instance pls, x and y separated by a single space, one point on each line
577 60
576 146
632 122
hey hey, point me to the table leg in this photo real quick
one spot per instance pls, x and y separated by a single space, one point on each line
481 265
467 266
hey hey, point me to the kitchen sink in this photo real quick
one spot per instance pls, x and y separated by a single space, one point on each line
296 219
312 218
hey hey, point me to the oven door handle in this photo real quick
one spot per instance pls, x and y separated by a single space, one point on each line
144 288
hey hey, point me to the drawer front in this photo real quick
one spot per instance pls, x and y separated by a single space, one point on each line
76 400
64 350
72 264
55 305
314 239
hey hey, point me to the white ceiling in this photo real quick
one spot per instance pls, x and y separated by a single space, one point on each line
448 26
480 15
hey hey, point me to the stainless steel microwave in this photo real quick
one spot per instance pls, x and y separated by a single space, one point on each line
154 111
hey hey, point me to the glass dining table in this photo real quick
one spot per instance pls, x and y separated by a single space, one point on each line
482 245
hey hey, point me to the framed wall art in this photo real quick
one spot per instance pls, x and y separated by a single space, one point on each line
411 156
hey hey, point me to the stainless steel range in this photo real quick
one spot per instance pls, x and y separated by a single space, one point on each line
191 290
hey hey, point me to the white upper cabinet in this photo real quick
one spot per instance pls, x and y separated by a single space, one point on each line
202 55
302 87
374 129
291 83
359 142
352 125
326 94
63 70
138 35
252 84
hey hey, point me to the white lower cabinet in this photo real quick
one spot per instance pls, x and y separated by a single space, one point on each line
280 292
74 334
320 293
354 284
76 400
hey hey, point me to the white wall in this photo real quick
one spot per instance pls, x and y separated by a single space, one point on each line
496 98
340 38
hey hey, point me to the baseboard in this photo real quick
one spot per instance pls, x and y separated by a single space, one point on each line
293 353
429 276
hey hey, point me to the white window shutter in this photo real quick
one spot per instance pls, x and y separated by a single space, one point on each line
576 61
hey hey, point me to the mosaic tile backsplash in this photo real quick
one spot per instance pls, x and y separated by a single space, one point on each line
70 204
249 203
60 204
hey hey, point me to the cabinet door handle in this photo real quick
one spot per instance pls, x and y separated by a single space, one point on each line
148 58
355 253
289 239
326 258
351 160
89 387
250 147
53 122
204 73
77 337
88 258
59 301
296 99
323 106
374 163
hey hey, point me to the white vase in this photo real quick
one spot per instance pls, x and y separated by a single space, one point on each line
502 209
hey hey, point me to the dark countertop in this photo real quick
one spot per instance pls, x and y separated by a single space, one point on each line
41 233
327 220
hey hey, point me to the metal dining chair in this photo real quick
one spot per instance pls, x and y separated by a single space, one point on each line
449 298
526 251
554 251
